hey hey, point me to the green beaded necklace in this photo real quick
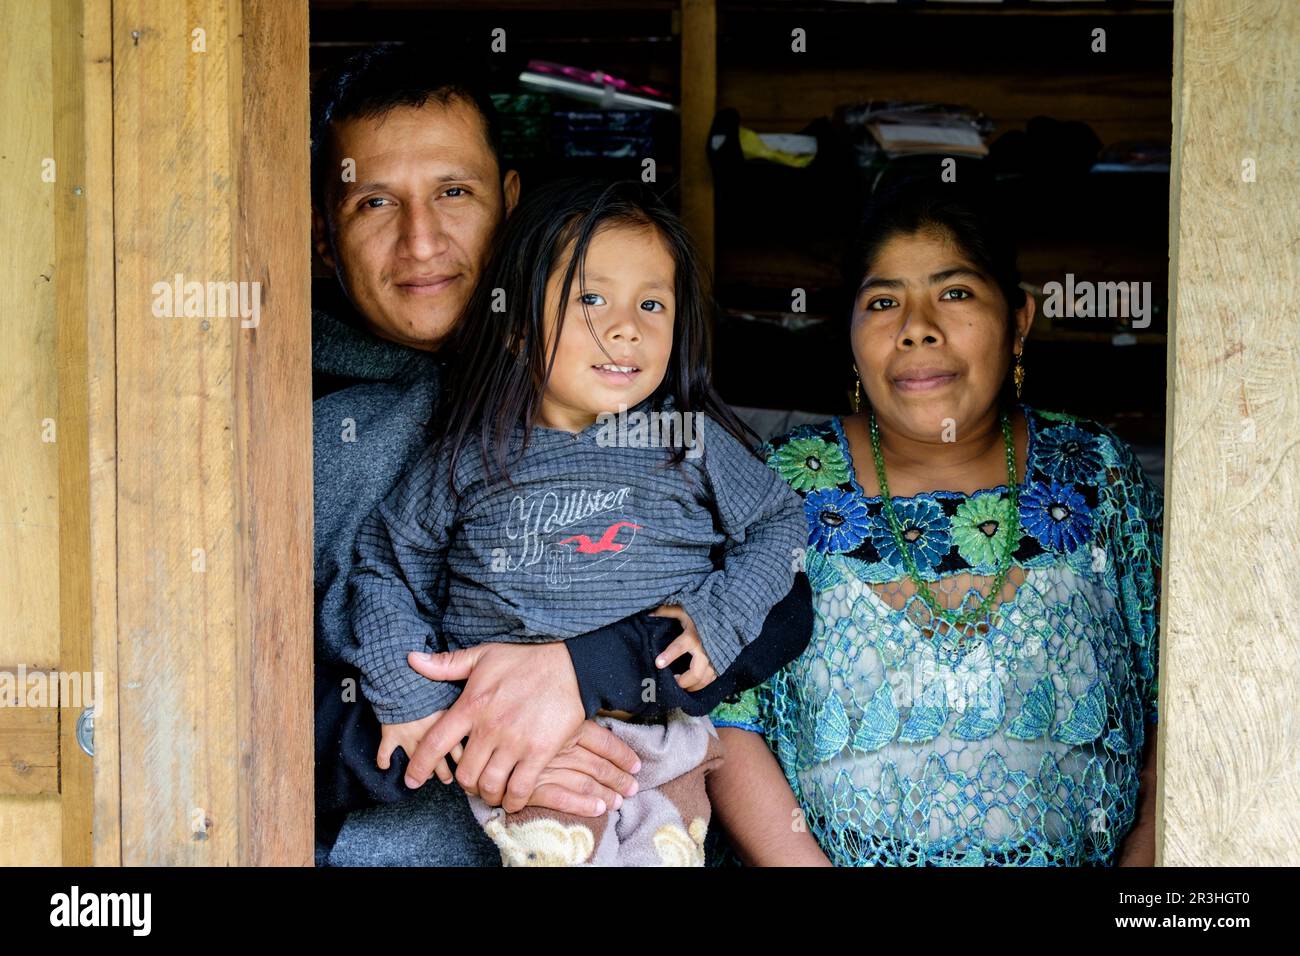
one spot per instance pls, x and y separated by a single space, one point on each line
965 618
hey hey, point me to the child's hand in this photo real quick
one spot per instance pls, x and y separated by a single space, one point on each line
408 736
701 673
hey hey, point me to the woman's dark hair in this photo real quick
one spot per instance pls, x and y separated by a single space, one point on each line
381 78
498 364
966 216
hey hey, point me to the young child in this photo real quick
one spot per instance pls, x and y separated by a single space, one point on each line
608 477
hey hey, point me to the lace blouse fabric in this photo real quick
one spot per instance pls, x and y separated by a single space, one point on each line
1017 741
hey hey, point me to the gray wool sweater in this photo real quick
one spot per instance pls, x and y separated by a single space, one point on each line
589 530
366 435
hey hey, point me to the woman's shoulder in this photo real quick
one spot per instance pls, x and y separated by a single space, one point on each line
828 430
1071 449
810 456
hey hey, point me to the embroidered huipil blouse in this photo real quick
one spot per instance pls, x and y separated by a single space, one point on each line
1017 741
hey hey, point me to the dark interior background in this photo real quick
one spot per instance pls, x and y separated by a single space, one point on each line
1051 109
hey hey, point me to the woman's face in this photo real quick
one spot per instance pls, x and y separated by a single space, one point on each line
930 336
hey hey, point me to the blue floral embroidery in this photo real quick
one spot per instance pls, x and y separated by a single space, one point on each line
1036 713
1087 720
837 520
1056 515
832 728
1068 454
927 717
925 527
879 720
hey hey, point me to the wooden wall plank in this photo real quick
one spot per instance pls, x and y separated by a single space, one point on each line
29 735
101 386
29 831
274 454
29 505
29 513
214 434
1229 741
83 292
173 200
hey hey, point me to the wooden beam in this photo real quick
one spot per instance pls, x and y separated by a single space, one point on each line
699 85
83 217
1228 741
273 440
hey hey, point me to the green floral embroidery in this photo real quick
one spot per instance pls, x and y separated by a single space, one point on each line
740 710
1057 416
980 528
811 463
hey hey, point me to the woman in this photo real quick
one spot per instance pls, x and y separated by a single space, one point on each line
982 671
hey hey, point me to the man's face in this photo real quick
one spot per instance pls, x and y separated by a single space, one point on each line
409 237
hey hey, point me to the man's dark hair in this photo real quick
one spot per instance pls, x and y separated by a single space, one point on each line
382 78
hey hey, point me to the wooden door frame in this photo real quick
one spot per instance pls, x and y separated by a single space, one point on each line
1230 643
201 438
188 564
84 320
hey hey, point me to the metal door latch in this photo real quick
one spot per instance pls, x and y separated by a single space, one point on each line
86 731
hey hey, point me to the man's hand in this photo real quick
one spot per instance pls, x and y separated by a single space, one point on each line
584 778
408 736
521 710
701 673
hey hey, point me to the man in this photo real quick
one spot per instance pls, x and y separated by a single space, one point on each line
408 191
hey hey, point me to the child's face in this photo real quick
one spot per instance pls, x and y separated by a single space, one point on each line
629 297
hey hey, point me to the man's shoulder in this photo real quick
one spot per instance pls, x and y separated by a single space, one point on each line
384 406
364 437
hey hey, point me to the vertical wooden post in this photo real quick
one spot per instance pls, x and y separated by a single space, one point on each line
699 83
214 432
81 59
1229 740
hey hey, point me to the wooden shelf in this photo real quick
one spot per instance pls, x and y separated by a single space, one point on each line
1012 61
479 6
1009 8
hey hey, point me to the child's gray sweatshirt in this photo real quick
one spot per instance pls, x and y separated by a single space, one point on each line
590 532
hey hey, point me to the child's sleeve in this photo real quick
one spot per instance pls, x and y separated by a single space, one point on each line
613 663
763 521
399 563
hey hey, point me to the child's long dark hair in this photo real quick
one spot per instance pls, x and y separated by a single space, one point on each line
498 364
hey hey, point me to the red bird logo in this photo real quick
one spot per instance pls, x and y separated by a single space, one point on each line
606 542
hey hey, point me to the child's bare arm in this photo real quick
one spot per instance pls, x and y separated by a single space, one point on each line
754 804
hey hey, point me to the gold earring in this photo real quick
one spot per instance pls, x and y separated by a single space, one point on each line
1018 374
857 390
